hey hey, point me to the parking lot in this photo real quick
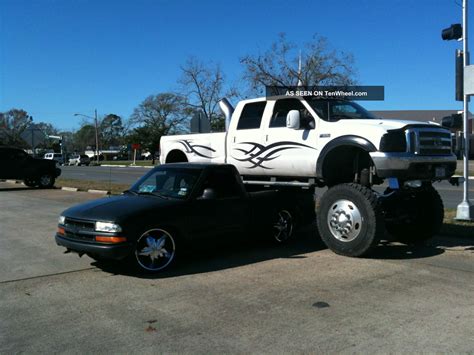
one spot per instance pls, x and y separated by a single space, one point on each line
234 297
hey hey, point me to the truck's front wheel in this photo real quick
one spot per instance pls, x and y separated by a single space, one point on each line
350 219
420 217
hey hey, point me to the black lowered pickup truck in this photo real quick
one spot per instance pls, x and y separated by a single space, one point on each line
174 205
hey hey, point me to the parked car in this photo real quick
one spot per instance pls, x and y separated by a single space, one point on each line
81 159
174 205
55 156
15 163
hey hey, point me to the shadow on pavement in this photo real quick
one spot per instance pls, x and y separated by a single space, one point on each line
221 256
390 251
8 189
224 255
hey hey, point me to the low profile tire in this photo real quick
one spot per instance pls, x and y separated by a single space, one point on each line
46 181
350 220
283 226
155 251
425 214
30 182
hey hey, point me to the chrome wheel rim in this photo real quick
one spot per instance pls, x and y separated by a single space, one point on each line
155 250
344 220
283 227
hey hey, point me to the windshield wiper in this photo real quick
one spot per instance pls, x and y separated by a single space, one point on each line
131 192
153 193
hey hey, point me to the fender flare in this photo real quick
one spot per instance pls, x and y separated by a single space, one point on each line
349 140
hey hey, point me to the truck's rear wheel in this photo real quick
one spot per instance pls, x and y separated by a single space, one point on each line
283 226
350 219
424 212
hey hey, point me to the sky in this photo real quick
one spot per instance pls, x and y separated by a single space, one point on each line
60 57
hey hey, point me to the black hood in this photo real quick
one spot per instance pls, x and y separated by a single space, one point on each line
119 208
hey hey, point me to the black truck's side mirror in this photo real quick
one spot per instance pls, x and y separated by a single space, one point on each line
453 121
208 194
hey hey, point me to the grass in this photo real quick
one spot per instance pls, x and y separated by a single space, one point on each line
128 162
84 185
454 228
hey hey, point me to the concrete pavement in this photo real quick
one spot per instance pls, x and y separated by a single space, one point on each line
243 297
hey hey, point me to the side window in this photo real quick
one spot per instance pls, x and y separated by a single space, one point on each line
281 109
251 116
18 155
224 182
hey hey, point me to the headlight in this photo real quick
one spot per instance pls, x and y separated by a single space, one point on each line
107 227
61 219
393 141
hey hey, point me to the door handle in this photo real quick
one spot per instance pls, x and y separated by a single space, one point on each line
234 139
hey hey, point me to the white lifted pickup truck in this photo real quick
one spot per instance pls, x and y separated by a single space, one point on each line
287 141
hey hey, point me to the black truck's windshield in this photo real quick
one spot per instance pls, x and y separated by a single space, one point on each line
167 183
333 110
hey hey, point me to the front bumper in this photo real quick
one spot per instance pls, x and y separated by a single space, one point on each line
410 166
107 251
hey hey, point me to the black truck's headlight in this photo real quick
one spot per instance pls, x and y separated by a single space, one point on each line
393 141
107 227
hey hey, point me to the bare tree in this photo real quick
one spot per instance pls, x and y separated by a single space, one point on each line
320 65
12 125
203 85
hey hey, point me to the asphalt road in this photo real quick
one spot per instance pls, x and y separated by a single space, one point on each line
253 297
451 195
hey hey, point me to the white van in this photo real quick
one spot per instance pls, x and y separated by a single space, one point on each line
55 156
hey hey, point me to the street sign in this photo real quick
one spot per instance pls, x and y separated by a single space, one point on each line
469 80
34 136
136 146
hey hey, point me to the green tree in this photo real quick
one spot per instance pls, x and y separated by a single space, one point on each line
156 116
111 130
84 138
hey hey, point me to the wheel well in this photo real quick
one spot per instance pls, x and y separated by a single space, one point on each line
342 163
176 156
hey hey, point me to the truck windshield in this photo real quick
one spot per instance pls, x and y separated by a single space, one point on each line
334 110
167 183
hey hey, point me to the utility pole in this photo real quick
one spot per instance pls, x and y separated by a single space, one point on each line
465 210
96 137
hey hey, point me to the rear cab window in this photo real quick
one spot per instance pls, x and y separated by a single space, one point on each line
251 116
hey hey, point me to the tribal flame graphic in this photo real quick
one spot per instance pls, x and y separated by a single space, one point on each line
258 154
193 148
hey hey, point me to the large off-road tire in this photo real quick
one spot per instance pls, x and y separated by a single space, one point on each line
46 181
424 213
350 219
155 251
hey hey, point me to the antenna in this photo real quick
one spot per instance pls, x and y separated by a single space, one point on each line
300 83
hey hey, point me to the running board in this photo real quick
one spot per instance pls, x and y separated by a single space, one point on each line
273 182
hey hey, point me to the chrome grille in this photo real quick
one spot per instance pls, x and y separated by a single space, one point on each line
79 225
428 141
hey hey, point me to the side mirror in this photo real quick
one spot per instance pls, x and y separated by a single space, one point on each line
208 194
453 121
293 119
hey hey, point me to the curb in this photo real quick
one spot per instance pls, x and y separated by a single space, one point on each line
65 188
127 166
103 192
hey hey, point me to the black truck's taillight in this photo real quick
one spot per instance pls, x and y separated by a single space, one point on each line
393 141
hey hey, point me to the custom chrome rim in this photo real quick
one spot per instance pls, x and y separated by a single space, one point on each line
155 250
344 220
283 227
